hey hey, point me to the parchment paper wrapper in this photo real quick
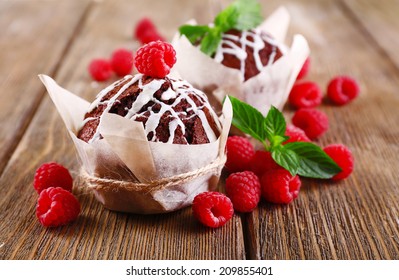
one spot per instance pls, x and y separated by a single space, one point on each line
125 155
270 87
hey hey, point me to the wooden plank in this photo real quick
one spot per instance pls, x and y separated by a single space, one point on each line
355 218
99 233
379 21
33 39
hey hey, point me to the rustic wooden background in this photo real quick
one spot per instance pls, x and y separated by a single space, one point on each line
357 218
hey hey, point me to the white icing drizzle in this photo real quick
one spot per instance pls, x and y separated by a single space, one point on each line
229 42
178 91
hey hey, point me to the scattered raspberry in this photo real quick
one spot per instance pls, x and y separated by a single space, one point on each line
100 69
212 209
56 207
312 121
305 95
343 157
239 153
146 32
243 188
122 62
52 174
305 69
262 162
296 134
279 186
342 89
155 59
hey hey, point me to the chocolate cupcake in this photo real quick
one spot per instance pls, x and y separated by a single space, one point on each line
171 110
248 51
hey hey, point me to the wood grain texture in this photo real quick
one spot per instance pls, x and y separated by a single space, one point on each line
99 233
34 36
356 218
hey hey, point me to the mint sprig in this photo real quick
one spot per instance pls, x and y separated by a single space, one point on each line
241 15
302 158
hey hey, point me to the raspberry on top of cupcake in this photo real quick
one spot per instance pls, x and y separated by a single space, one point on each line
171 110
233 40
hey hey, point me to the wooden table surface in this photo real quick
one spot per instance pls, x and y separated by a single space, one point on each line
357 218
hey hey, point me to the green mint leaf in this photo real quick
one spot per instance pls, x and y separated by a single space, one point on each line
211 41
194 33
247 119
313 161
249 14
286 158
275 124
277 140
227 18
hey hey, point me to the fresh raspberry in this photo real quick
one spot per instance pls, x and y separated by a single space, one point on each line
279 186
146 32
239 153
312 121
342 89
296 134
243 189
262 162
343 157
305 95
100 69
305 69
56 207
52 174
212 209
155 59
122 62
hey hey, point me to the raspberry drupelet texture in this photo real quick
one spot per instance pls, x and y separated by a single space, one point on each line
279 186
146 32
122 62
243 189
296 134
155 59
305 95
100 69
342 89
239 153
305 69
212 209
343 157
52 174
312 121
57 207
262 162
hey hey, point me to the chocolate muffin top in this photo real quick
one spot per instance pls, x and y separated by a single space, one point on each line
248 51
171 110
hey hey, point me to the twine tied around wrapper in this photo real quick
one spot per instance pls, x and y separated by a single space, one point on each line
107 184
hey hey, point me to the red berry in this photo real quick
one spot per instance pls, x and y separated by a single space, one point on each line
56 207
122 62
239 153
342 89
305 69
279 186
146 32
212 209
312 121
155 59
262 162
296 134
305 95
343 157
52 174
100 69
243 189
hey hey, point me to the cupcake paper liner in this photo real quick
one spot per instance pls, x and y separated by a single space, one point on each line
125 155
